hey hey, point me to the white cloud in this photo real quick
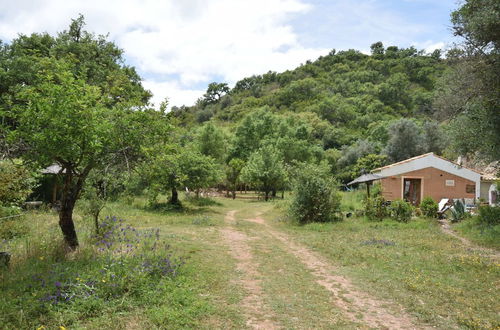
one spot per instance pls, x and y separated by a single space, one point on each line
179 46
176 94
192 40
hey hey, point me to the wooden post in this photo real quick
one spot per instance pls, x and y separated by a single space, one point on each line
368 183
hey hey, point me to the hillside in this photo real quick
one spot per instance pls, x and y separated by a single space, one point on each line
348 99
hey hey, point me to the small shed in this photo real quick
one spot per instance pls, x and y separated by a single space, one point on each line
49 185
428 175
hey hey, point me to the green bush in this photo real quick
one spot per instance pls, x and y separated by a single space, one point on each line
429 207
16 183
315 199
376 208
489 215
401 210
12 228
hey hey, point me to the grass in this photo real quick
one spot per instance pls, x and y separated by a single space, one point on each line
430 274
488 236
121 297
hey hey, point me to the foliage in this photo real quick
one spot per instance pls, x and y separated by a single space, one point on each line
123 264
368 163
401 210
342 101
214 92
468 95
405 140
211 141
315 198
199 171
489 215
457 211
433 138
16 183
75 93
429 207
265 170
170 167
376 208
233 171
13 228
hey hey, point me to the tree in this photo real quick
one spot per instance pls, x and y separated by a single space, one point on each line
214 92
433 137
16 183
377 49
315 198
71 107
265 170
211 142
469 94
368 163
199 171
170 167
233 171
405 140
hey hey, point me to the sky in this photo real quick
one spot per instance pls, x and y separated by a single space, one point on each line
179 46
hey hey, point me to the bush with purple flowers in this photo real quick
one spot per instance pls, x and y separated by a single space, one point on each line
121 262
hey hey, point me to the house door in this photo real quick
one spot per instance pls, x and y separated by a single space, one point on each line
411 192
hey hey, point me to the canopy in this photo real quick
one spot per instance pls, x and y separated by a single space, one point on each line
365 178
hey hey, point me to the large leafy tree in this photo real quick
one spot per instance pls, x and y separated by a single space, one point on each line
211 141
469 94
170 167
265 170
68 100
405 140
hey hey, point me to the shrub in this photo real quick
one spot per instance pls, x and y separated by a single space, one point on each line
429 207
401 210
376 208
315 198
489 215
457 212
12 228
16 183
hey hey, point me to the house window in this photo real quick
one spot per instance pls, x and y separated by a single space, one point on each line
470 189
450 183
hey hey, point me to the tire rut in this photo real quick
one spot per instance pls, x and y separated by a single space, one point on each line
257 314
358 306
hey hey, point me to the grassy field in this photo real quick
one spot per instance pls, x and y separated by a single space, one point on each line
435 279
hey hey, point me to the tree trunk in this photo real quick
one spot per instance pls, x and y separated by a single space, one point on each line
175 196
283 194
234 193
273 193
266 196
66 223
197 193
96 222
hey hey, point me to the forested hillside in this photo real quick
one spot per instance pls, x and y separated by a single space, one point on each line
347 103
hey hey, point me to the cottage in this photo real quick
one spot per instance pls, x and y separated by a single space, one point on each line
430 175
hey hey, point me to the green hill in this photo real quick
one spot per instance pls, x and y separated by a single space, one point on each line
348 99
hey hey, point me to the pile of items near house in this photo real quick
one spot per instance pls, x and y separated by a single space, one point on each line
429 175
